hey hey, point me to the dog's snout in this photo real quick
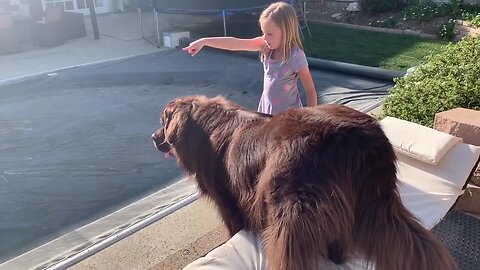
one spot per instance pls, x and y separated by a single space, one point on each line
158 138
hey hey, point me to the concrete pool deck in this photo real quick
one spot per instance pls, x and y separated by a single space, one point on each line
170 243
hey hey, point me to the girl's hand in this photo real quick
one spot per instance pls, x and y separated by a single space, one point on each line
194 47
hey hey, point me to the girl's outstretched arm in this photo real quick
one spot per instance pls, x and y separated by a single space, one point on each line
226 43
309 86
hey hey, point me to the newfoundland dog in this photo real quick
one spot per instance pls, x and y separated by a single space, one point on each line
312 182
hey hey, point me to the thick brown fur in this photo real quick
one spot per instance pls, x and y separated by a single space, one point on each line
313 182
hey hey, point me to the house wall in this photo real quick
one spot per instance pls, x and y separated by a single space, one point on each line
17 8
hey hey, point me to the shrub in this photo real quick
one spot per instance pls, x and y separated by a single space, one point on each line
446 30
456 8
471 14
422 12
381 5
473 19
448 80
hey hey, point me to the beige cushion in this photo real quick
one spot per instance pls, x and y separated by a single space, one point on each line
430 190
418 141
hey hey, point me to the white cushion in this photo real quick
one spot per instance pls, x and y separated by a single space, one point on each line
428 190
418 141
244 252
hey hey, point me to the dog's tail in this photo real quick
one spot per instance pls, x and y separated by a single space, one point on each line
390 236
306 225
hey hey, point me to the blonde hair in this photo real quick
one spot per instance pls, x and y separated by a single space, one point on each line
284 16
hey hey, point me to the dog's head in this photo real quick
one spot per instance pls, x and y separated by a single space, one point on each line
189 125
174 121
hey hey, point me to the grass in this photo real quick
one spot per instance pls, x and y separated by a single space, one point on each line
376 49
390 51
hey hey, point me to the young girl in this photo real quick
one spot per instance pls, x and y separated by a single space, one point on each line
281 53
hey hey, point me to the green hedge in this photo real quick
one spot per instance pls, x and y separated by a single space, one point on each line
448 80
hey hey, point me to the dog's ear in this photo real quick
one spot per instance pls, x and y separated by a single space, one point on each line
175 121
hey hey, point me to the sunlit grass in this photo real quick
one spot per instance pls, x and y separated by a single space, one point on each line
390 51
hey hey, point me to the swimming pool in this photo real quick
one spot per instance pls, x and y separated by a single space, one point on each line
75 143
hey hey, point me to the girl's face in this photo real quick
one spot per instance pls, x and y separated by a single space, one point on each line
272 34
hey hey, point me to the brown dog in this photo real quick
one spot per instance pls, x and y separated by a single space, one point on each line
312 182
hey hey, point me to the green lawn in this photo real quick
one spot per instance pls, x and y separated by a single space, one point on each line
390 51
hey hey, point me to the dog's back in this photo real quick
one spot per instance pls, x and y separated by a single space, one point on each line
328 188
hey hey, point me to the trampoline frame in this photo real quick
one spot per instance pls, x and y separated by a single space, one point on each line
173 11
